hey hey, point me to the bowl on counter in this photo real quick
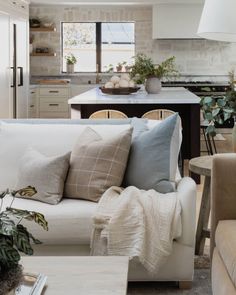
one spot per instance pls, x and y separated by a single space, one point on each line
119 91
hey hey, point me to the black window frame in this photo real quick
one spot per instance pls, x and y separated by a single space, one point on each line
98 33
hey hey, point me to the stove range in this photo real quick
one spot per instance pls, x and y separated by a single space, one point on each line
201 88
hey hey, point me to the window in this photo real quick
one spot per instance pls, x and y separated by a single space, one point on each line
98 46
79 39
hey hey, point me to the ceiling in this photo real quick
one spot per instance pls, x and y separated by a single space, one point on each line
110 2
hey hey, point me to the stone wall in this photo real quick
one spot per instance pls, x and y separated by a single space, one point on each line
194 57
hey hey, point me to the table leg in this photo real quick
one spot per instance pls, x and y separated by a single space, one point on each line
203 219
195 136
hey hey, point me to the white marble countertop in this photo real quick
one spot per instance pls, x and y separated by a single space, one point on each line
168 95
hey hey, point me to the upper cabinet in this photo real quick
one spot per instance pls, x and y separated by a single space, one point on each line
176 21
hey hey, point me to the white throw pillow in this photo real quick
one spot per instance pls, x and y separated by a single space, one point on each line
46 174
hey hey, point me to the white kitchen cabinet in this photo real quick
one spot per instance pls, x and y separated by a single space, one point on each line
14 61
53 101
176 20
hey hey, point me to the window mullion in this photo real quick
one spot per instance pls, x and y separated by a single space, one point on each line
99 46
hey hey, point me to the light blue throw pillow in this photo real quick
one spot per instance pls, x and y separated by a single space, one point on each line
153 158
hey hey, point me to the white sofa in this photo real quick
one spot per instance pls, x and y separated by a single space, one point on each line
70 222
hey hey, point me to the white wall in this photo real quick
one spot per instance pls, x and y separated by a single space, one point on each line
202 57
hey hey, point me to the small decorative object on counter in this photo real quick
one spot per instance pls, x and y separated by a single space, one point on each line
15 238
120 85
70 62
145 71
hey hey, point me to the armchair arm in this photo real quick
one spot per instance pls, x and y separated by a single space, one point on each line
223 191
187 193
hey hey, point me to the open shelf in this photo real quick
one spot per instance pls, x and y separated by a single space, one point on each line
52 29
43 54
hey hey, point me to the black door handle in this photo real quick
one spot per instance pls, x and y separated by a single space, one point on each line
13 78
21 76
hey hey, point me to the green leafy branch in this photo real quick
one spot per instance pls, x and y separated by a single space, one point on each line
144 67
218 110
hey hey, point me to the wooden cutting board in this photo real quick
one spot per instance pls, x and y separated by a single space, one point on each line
54 82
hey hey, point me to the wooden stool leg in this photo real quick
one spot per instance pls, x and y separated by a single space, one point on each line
202 226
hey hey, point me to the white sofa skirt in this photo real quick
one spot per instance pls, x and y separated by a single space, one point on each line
179 267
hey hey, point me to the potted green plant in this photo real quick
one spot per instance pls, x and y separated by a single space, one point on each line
70 63
144 71
15 238
217 110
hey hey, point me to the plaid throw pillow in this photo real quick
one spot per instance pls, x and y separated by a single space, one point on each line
97 164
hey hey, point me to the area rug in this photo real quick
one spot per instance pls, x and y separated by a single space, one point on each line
201 282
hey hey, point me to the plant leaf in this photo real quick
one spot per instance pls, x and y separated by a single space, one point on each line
221 102
28 191
36 241
29 215
7 226
9 256
22 240
215 112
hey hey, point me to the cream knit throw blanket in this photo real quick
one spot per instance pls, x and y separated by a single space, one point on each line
137 223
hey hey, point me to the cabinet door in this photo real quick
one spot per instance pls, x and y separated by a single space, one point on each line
22 58
4 66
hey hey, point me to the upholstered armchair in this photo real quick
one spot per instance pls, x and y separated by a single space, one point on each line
223 224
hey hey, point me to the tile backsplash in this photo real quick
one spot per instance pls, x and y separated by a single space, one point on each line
193 57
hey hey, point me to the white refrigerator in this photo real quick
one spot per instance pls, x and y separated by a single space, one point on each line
14 63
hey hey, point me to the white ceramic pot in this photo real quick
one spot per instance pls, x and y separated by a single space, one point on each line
70 68
153 85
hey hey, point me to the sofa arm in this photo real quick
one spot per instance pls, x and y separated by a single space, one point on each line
187 192
223 191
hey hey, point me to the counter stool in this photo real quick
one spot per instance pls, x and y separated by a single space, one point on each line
158 114
209 141
108 114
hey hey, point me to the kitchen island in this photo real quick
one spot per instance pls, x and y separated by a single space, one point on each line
177 99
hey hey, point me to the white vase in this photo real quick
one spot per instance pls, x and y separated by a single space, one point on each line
153 85
70 68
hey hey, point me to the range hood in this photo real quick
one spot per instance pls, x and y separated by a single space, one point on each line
176 20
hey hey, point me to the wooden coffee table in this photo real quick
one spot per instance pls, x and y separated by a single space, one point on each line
83 275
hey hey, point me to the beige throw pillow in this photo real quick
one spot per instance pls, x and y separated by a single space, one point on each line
97 164
46 174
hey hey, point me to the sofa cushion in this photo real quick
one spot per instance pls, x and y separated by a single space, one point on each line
97 164
153 159
226 245
69 222
46 174
48 139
